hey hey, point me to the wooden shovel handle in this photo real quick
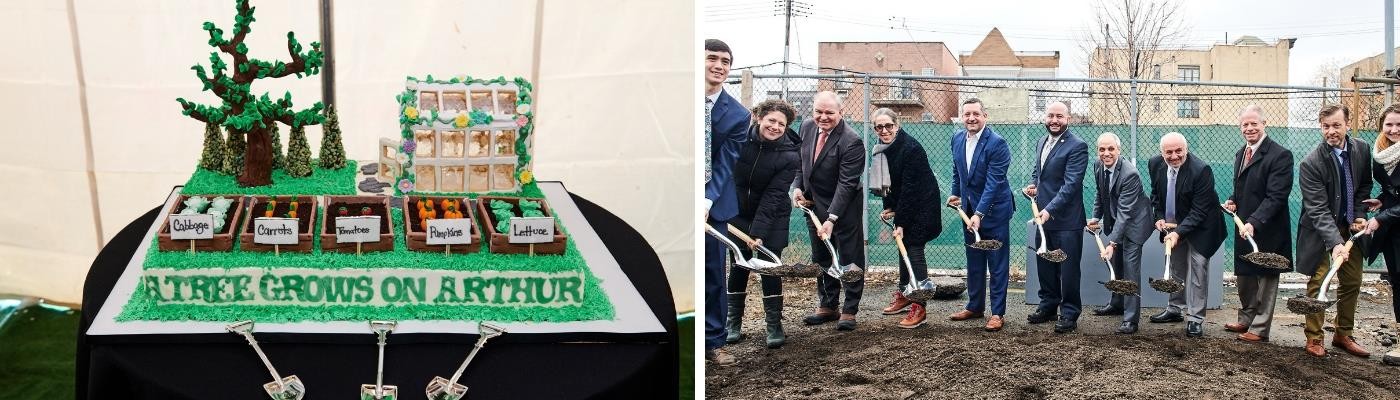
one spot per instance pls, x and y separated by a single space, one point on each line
962 214
740 234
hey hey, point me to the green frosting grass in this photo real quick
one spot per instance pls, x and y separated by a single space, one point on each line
321 182
596 305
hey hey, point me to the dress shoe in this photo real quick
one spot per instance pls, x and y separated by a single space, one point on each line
1349 344
1041 316
720 357
1236 327
993 324
1065 325
1314 347
1251 337
1127 328
915 317
821 316
1193 329
1108 310
847 322
964 315
1392 358
897 305
1166 316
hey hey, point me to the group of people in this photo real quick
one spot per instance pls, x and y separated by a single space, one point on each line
758 168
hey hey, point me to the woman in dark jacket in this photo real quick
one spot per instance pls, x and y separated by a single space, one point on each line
1384 225
911 198
767 165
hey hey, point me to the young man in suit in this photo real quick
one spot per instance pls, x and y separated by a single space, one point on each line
1334 179
726 129
833 161
1057 187
1263 180
1183 195
980 160
1123 213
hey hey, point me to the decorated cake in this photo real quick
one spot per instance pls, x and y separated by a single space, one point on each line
447 224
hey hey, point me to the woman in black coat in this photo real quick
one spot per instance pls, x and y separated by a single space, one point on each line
767 165
1385 225
911 198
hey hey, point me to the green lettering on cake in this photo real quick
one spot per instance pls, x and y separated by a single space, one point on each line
474 285
152 286
337 290
415 289
199 288
218 289
315 288
447 291
176 282
518 286
266 287
391 289
568 285
291 286
364 288
499 284
540 292
240 288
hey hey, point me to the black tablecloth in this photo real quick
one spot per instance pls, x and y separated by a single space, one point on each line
223 366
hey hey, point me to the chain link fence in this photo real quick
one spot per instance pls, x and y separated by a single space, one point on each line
1140 112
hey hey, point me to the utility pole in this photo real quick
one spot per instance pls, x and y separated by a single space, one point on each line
786 7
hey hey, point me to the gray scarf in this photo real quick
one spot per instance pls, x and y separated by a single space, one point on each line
1388 157
879 183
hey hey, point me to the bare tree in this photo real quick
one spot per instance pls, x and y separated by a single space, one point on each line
1128 38
1303 107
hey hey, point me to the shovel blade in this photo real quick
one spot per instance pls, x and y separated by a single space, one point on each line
852 273
442 389
389 392
289 388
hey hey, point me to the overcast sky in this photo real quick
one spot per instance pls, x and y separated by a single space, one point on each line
1341 30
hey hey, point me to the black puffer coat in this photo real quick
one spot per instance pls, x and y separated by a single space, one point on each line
762 177
914 195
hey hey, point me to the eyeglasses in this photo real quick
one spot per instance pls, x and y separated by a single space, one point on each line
884 127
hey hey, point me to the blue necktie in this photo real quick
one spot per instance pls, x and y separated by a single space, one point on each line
1345 167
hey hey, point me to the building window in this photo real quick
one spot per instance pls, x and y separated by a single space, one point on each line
1157 104
1039 101
1188 108
926 117
1189 73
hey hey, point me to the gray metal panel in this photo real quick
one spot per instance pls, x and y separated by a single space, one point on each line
1092 270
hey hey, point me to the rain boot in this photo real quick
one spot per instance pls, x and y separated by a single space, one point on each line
773 316
735 318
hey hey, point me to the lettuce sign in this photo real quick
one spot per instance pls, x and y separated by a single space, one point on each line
367 287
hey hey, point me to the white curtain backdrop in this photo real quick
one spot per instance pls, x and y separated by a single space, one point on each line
614 81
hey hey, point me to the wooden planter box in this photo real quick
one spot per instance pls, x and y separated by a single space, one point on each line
500 243
379 205
223 239
417 240
306 211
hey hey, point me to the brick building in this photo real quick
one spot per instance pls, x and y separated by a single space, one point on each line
912 100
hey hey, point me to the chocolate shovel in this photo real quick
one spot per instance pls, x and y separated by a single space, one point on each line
1167 284
378 390
1056 255
1266 260
846 273
776 265
1301 304
445 389
281 388
920 291
739 260
977 242
1115 285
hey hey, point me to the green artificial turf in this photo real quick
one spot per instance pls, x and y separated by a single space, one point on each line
685 324
321 182
38 346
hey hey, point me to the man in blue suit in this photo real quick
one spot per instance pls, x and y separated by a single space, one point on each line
1057 186
726 129
980 160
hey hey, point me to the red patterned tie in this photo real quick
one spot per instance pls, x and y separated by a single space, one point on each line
1248 155
821 142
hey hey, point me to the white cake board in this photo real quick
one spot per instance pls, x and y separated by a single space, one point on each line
632 315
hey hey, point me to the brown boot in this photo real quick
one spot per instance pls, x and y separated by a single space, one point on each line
1349 344
720 357
897 305
915 318
1314 347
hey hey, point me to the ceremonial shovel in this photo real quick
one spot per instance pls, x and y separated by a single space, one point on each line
1167 284
444 389
846 273
1114 284
1266 260
739 257
920 291
977 242
1056 255
1301 304
281 388
380 391
776 267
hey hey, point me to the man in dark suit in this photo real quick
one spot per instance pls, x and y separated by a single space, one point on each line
1122 211
1057 186
1334 178
980 160
1183 194
1263 180
726 129
833 160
